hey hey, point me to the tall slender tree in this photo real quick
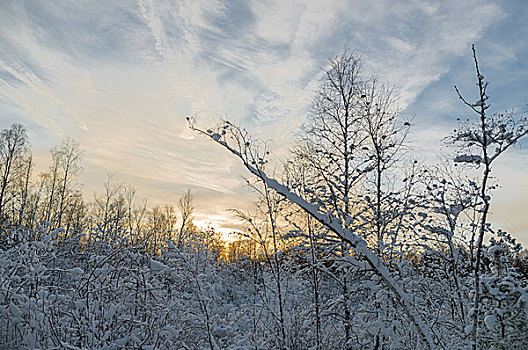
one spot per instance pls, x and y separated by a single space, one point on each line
69 157
14 155
186 207
481 143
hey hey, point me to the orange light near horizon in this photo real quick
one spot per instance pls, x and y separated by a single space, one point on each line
227 234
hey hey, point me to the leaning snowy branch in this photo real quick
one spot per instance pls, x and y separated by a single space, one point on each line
358 244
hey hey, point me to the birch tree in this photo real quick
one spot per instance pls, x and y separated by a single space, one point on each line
14 153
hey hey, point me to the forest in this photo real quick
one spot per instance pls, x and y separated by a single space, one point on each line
352 243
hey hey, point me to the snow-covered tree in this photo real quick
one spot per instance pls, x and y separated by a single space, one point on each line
480 143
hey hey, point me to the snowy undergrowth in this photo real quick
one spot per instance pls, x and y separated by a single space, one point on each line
63 294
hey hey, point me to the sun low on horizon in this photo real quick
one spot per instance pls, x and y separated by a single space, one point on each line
120 78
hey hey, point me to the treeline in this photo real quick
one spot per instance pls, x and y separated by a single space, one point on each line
54 201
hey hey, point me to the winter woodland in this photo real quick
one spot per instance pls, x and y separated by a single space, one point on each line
353 243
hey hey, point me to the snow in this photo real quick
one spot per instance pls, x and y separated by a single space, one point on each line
157 266
494 249
121 296
76 271
491 322
466 158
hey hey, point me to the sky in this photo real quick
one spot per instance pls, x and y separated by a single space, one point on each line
120 77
